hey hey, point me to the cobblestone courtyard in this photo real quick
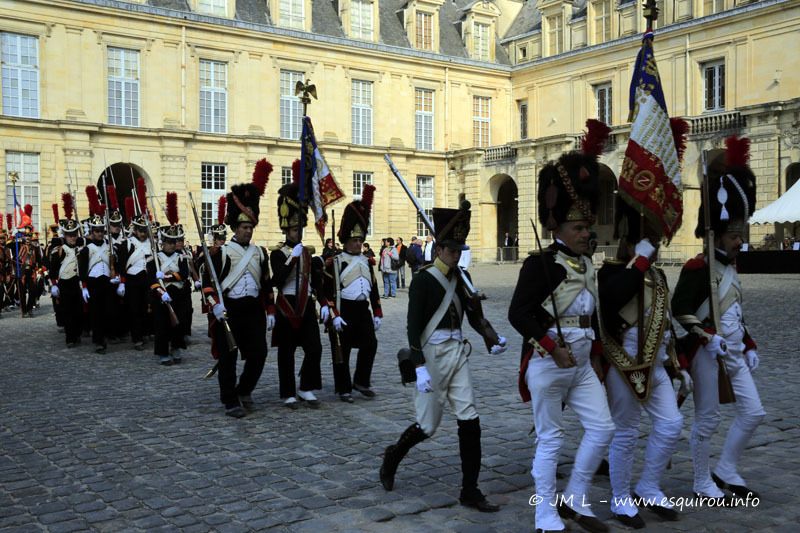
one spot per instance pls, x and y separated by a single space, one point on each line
117 443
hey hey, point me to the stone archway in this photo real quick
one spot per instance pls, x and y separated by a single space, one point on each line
123 176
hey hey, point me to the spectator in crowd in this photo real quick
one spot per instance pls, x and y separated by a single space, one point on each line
389 265
368 251
414 256
428 251
401 250
329 250
508 244
516 246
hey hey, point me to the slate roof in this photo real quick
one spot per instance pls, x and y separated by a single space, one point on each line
253 11
528 19
177 5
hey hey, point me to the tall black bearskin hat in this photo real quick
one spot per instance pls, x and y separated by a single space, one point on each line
114 214
139 221
219 229
452 226
569 188
732 190
626 218
289 202
242 201
174 230
355 219
96 210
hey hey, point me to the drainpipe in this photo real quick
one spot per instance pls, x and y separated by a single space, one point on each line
446 108
183 77
686 76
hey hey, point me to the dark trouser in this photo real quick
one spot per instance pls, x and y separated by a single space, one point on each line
101 301
71 308
401 277
58 309
469 447
168 335
358 333
187 294
28 297
248 323
137 294
287 339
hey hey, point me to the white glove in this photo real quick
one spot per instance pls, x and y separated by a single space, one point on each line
752 360
270 322
115 281
85 294
166 297
54 292
159 275
500 347
644 248
339 323
716 346
297 250
377 321
121 290
197 285
423 380
687 385
324 313
219 311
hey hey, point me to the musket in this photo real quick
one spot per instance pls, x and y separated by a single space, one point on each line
551 290
490 336
173 318
213 273
112 273
338 358
726 394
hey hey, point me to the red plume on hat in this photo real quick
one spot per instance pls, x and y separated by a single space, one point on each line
680 129
141 194
94 202
222 203
130 208
367 195
9 221
261 175
172 207
595 137
111 193
296 171
66 201
28 209
55 213
737 151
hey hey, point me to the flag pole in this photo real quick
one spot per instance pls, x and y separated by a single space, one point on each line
305 92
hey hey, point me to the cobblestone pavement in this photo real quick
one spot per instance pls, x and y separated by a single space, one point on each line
118 443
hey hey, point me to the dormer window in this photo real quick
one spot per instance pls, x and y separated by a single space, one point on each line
291 14
218 8
480 42
361 26
424 31
554 35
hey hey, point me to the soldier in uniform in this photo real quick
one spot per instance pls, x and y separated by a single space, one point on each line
350 288
66 285
242 269
133 255
30 260
639 373
296 321
55 242
218 237
553 308
732 191
94 269
118 324
193 283
437 302
6 268
166 278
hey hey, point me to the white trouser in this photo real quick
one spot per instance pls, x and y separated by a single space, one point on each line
448 367
662 408
580 389
749 414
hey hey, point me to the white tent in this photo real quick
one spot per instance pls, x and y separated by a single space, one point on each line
784 209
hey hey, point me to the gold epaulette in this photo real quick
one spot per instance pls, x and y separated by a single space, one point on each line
613 262
426 267
540 252
275 248
311 249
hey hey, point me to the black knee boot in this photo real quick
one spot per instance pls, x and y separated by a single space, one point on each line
394 454
469 446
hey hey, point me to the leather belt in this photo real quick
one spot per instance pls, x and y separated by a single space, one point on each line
583 321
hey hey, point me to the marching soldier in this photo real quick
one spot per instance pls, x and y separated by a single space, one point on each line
218 237
167 278
6 268
553 308
56 241
437 302
246 302
66 286
732 191
296 322
639 373
117 240
192 283
30 259
133 255
94 269
350 288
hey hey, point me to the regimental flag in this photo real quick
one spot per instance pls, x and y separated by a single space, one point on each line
318 188
650 180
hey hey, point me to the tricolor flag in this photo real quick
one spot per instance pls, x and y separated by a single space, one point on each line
21 218
650 180
318 188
